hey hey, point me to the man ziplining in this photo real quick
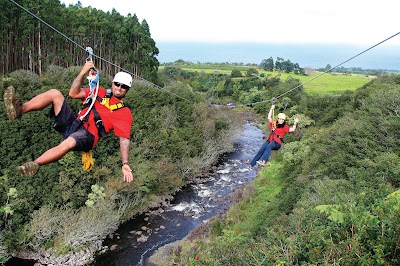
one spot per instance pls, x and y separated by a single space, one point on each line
81 132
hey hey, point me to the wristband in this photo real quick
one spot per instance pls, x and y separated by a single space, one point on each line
124 164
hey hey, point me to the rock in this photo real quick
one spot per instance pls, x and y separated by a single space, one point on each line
142 239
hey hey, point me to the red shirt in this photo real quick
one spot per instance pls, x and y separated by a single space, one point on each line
119 120
278 131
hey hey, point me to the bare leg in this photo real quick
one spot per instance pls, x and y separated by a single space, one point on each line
43 100
56 152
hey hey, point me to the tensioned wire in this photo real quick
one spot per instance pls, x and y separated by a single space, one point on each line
155 85
329 70
100 58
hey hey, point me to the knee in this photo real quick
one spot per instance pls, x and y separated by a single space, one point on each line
55 94
68 144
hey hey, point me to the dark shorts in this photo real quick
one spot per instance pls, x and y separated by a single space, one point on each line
68 125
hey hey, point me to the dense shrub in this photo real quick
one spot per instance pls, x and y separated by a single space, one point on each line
58 207
339 202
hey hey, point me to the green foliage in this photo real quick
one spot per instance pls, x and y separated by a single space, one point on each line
8 209
25 79
216 229
63 207
339 189
334 214
4 256
97 194
267 64
67 229
90 26
236 73
315 83
252 72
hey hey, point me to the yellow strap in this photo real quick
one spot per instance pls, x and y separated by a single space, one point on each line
273 119
106 103
87 161
116 106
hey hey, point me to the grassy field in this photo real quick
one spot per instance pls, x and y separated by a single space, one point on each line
329 83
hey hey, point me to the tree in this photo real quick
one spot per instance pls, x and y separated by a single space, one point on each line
26 43
236 73
287 66
268 65
279 64
298 70
263 64
252 72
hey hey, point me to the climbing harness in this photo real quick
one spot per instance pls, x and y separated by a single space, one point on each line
106 102
93 78
274 124
87 159
273 114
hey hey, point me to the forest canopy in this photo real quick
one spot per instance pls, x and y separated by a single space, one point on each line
28 43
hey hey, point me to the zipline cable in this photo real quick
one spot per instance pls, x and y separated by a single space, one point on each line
155 85
298 86
100 58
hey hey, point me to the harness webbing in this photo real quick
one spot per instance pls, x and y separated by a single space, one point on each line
106 102
93 78
97 118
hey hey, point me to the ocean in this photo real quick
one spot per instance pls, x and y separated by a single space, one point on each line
383 56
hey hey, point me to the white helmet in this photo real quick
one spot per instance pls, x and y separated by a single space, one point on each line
282 116
124 78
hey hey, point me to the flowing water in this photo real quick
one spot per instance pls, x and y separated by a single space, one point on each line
135 241
138 239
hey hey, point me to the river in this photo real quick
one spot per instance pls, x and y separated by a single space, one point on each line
136 240
192 206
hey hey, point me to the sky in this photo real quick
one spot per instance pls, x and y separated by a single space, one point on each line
356 22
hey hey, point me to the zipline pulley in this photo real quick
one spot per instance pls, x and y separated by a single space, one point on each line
90 51
93 78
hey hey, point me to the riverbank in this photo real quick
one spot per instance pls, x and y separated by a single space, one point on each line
191 208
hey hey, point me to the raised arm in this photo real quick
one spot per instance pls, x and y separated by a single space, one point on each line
76 91
126 169
270 113
293 128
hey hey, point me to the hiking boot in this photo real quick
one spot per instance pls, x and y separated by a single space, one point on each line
262 162
13 105
28 169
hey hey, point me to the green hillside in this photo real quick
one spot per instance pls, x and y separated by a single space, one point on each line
330 197
316 82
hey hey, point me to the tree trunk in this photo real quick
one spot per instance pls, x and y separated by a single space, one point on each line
39 52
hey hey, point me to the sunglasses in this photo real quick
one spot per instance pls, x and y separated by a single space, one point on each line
117 84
